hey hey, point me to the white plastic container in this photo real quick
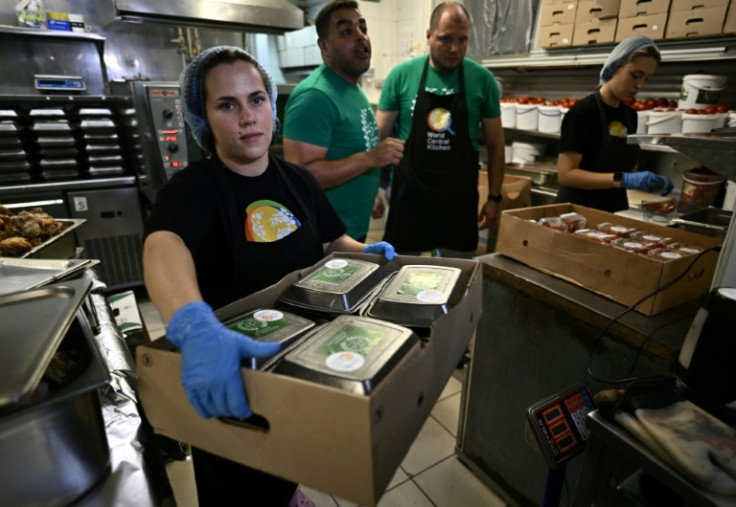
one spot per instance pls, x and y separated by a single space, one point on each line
732 119
508 152
563 112
700 91
508 114
664 122
526 153
642 117
549 119
702 122
527 116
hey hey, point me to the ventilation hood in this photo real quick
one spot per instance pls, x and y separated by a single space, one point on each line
259 16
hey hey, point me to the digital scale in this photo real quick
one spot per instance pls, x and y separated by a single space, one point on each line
558 423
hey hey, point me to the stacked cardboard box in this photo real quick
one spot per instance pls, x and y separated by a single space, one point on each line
595 22
637 17
556 23
696 18
729 27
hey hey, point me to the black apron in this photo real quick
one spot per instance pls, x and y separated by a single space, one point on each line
434 197
614 155
300 249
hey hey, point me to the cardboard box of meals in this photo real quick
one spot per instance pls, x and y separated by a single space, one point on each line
598 31
651 26
620 258
557 12
320 421
701 22
555 36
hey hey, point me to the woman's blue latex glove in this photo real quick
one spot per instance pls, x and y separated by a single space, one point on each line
210 360
648 181
382 247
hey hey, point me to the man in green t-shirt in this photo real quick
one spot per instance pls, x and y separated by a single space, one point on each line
329 125
439 102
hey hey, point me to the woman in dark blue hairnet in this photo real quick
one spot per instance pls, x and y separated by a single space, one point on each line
595 165
223 228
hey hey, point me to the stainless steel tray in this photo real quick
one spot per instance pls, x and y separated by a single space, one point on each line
25 274
33 324
63 236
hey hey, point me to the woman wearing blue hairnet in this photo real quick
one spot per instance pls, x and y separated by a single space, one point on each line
223 228
595 165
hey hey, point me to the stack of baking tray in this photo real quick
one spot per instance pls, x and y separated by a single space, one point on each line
270 325
14 165
351 353
102 144
24 274
56 144
339 286
417 294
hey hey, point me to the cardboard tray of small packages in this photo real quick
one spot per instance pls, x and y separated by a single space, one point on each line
620 275
345 444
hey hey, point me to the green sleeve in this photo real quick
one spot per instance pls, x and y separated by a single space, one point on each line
310 117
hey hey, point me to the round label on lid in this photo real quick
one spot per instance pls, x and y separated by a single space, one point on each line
430 296
727 292
344 361
268 315
632 245
336 264
671 255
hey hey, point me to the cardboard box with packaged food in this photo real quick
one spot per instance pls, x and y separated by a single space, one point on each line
557 12
555 36
592 10
634 8
729 26
342 442
598 31
619 274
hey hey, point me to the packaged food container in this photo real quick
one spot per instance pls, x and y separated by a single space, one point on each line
338 286
527 116
619 230
661 210
269 325
648 237
508 114
574 221
692 123
555 223
664 122
417 294
633 245
685 249
701 188
351 353
595 235
665 254
701 90
549 119
526 153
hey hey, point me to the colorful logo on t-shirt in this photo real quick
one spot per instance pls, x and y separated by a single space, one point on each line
269 221
440 120
617 129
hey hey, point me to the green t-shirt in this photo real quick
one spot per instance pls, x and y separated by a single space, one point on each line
399 92
326 110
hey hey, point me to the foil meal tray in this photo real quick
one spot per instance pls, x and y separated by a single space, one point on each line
25 274
270 325
417 294
339 286
351 353
64 236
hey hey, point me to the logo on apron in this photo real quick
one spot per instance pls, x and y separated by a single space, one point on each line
439 121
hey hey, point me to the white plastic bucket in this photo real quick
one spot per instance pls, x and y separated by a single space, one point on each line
642 117
526 153
508 114
664 122
700 91
732 119
563 112
508 153
702 122
550 118
527 116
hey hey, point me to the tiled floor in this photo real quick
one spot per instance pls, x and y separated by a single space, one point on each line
429 475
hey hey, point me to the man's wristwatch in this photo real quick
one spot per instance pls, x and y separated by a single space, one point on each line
495 197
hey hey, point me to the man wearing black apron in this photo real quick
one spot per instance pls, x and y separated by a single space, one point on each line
439 101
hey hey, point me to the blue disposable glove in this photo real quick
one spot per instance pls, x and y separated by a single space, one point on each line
210 360
648 181
382 247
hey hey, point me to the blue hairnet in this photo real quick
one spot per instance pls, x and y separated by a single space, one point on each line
192 93
621 54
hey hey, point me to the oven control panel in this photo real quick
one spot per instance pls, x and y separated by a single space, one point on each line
168 125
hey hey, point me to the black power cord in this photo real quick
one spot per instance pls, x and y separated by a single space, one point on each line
603 331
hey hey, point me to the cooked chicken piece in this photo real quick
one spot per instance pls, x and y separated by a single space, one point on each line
24 225
14 245
5 211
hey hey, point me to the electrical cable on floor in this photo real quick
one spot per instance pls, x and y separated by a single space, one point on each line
603 331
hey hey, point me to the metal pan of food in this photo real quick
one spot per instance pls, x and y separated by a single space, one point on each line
540 174
58 246
25 274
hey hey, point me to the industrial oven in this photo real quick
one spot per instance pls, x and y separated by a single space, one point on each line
81 147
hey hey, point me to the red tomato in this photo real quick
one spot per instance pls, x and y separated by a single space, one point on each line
710 110
650 103
671 109
672 103
701 111
662 102
721 109
692 111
